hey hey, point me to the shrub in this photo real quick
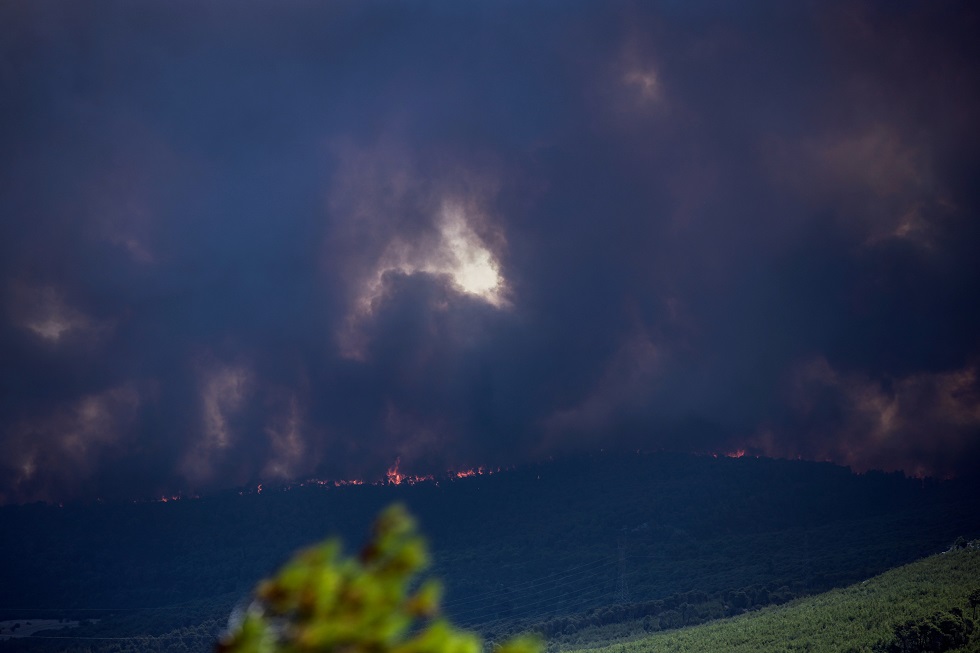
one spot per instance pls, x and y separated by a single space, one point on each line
324 602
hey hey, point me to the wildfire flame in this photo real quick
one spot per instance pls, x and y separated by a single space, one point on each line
737 453
477 471
393 476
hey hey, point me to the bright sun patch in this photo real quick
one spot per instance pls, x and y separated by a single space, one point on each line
468 262
459 254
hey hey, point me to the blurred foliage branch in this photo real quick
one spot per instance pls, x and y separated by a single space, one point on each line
324 602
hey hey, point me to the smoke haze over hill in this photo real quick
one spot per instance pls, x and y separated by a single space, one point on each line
292 240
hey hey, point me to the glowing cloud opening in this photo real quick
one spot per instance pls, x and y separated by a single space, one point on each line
470 264
458 255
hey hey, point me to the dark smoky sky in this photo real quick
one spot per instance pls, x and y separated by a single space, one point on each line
252 241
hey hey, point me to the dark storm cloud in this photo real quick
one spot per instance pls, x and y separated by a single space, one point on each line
299 240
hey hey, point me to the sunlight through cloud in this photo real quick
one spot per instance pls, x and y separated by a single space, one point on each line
458 254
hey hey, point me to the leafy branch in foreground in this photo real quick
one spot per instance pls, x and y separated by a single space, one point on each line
321 601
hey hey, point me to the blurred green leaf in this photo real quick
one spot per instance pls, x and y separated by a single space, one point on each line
321 601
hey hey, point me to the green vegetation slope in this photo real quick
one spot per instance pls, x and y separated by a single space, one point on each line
856 618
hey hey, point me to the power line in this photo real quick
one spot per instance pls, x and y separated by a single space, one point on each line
588 568
590 597
622 587
594 592
475 614
543 588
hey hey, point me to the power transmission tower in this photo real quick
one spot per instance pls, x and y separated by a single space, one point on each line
622 589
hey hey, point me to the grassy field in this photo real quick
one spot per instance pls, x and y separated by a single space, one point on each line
850 619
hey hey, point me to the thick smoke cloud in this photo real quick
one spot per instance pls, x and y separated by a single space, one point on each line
275 241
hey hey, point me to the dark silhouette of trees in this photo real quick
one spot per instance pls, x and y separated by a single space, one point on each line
974 600
943 631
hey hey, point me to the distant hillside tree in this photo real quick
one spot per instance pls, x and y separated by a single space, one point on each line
943 631
974 600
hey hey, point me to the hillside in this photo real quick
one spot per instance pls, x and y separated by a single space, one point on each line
602 544
853 619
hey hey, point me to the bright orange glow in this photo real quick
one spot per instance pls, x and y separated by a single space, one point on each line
395 477
737 453
166 499
477 471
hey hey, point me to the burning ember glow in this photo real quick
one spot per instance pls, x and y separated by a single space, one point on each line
173 497
738 453
479 471
342 483
394 477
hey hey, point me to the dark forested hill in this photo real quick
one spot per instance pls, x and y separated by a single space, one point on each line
563 546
